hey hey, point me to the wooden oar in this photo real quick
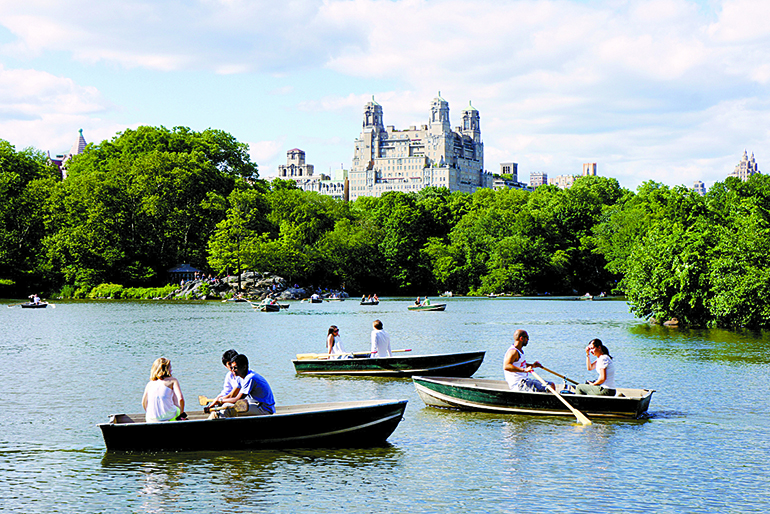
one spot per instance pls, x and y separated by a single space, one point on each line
315 356
16 304
579 415
559 375
240 405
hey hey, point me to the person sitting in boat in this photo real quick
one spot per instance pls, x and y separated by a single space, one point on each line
163 399
604 385
36 299
363 298
250 386
516 369
230 382
375 298
417 301
334 345
380 341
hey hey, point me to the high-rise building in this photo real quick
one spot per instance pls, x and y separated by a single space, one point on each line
386 159
302 173
746 168
538 178
699 187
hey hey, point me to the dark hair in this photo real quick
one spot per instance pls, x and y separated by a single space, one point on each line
228 356
332 329
378 324
597 343
241 361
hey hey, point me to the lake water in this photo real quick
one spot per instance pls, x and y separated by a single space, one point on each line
704 448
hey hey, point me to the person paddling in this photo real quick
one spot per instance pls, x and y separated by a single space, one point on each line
230 382
516 369
250 386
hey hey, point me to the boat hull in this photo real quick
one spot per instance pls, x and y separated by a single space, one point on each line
496 396
370 303
271 307
34 305
452 365
340 424
436 307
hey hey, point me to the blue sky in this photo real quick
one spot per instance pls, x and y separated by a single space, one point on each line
665 90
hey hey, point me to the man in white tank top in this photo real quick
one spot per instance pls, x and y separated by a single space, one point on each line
516 369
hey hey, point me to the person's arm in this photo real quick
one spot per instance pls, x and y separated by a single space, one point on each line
373 349
178 396
590 365
144 397
511 356
329 343
602 377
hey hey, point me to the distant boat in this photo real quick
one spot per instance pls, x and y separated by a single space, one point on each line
41 305
492 295
336 424
370 302
446 294
431 307
269 307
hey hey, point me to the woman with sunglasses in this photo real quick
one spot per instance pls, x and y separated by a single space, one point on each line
333 343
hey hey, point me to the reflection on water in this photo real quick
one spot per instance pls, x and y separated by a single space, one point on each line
739 346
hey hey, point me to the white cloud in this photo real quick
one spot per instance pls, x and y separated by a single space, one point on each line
655 89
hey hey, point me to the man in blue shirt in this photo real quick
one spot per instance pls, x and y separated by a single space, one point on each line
251 387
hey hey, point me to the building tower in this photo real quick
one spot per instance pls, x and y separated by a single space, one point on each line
746 168
589 169
439 116
472 123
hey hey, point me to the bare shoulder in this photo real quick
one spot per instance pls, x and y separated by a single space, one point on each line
512 354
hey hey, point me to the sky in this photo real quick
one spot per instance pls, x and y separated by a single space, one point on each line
667 90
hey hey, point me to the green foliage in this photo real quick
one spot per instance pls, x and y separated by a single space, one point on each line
26 183
106 291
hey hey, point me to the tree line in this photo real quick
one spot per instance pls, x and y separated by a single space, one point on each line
151 198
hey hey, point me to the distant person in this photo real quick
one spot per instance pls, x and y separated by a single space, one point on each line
375 298
604 385
333 343
417 301
162 399
230 382
251 387
427 301
516 369
36 299
380 341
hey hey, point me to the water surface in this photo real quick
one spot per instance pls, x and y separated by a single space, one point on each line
704 447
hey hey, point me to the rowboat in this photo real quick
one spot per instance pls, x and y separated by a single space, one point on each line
370 303
270 307
335 299
450 364
495 396
41 305
434 307
337 424
316 300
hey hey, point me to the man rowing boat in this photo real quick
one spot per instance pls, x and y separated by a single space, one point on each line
516 369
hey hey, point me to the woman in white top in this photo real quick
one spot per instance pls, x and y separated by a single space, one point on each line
604 385
162 399
333 343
